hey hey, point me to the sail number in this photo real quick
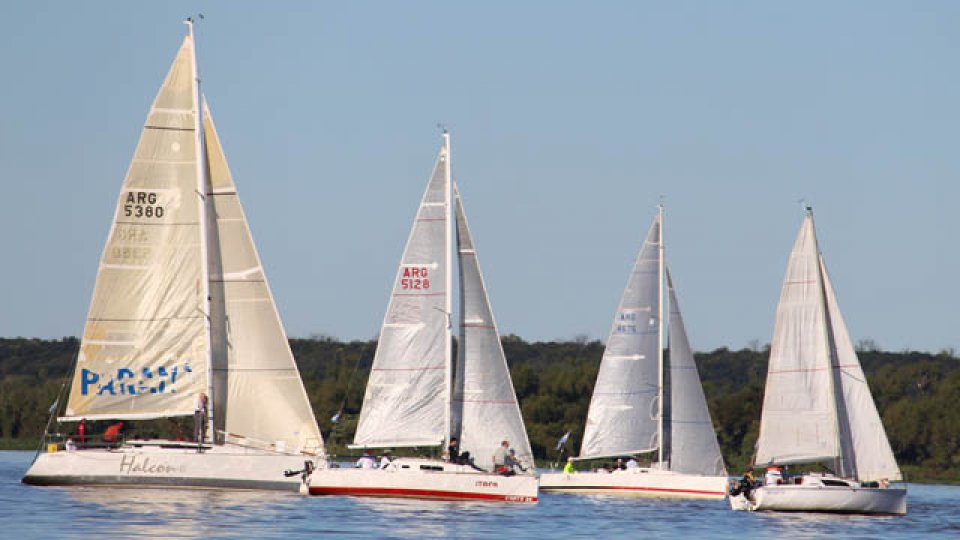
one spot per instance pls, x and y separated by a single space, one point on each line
142 204
415 278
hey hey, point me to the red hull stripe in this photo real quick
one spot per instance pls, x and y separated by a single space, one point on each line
628 488
417 493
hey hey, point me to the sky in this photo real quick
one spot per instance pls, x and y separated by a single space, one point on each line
570 122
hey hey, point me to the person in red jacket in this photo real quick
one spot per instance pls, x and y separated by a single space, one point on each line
112 434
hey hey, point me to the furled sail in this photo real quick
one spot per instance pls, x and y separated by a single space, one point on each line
623 411
259 391
693 441
799 420
484 402
869 456
144 348
406 402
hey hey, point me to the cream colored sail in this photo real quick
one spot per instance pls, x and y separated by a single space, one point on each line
867 454
799 421
143 353
258 394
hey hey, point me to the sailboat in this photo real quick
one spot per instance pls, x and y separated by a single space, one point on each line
181 307
417 396
626 415
817 406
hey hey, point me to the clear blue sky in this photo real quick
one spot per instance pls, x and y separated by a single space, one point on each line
569 121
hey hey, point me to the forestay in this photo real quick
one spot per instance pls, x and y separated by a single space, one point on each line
869 456
485 407
693 441
257 381
799 421
144 348
405 403
623 411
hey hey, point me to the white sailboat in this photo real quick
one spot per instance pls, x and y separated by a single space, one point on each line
817 406
416 396
626 415
181 307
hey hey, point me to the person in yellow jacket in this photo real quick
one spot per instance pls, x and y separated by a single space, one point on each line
568 468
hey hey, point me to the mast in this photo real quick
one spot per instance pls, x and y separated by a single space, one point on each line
660 335
448 307
204 240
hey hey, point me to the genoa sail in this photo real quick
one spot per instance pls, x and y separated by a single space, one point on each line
144 349
693 443
406 400
484 402
623 417
259 391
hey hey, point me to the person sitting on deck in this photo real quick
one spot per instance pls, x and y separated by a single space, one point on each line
513 462
500 458
385 460
366 461
773 476
569 468
632 464
745 486
112 434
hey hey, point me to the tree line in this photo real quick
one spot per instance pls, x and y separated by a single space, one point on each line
916 393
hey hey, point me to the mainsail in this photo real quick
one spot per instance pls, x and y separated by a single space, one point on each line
623 416
144 349
485 405
406 401
799 420
693 442
258 388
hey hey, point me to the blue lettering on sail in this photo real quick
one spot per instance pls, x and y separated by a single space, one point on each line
125 381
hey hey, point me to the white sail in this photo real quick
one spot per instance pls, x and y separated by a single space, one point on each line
144 348
693 442
623 417
406 401
260 396
484 402
799 421
869 456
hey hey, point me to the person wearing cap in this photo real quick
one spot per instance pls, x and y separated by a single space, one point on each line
385 460
569 468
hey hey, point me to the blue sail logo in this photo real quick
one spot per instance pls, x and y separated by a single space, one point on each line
130 382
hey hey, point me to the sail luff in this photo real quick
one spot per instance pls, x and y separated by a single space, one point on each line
660 324
448 305
623 413
202 188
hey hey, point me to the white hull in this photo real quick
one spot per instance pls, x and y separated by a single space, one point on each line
839 499
640 482
171 465
425 479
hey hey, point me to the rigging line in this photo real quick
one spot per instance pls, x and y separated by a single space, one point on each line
346 394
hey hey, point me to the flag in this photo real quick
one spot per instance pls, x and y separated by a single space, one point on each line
54 406
336 417
562 441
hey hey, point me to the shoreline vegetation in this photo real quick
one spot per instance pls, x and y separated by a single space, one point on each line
916 393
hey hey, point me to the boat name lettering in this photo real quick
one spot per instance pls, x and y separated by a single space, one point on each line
130 382
486 483
133 464
142 204
415 278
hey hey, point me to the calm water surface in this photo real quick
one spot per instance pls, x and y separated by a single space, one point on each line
55 513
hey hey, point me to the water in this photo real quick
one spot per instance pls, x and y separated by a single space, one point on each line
28 513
